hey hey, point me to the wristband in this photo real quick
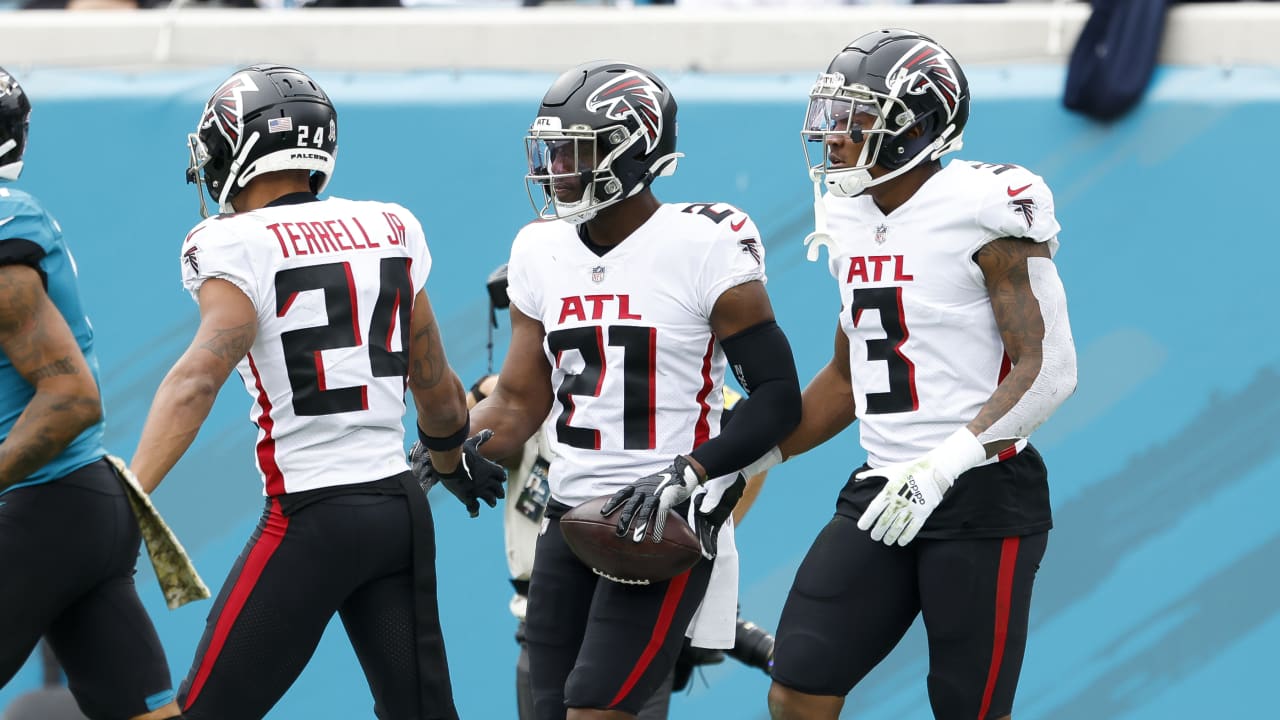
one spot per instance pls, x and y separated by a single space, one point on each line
447 443
958 453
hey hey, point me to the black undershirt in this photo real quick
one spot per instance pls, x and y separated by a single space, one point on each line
585 237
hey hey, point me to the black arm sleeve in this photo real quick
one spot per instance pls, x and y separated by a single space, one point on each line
761 359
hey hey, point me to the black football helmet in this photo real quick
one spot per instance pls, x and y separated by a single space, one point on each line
264 118
604 131
15 115
876 90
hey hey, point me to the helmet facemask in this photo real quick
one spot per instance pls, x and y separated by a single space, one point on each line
835 110
199 159
211 168
571 171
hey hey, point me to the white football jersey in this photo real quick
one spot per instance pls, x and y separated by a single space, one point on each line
924 350
333 283
636 371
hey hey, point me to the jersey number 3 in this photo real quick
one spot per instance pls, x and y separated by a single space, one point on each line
302 347
901 395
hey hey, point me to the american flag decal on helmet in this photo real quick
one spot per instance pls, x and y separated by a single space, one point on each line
226 107
927 66
631 95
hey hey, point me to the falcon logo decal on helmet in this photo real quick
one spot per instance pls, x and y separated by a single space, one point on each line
226 107
632 95
928 67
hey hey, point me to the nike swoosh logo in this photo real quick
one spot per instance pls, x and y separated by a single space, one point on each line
1015 193
736 226
6 220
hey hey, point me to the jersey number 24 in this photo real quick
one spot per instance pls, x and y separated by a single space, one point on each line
302 347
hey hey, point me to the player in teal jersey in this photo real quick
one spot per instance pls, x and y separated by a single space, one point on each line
68 539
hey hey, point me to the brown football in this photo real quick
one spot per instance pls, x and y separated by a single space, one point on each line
594 539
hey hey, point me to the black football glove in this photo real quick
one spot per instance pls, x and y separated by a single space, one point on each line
646 501
708 532
476 478
420 465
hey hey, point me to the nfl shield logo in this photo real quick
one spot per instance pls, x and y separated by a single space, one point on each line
597 274
881 230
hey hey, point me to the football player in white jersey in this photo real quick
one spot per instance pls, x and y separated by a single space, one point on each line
528 493
320 306
625 313
953 345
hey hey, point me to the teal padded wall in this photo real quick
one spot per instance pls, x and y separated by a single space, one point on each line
1158 597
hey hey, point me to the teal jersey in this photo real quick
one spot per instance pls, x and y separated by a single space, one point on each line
30 236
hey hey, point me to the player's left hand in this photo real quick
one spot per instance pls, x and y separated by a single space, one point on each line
913 489
707 519
646 501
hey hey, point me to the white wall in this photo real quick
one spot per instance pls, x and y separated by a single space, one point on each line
552 38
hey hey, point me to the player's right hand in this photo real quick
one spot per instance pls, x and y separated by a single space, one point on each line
913 489
420 465
475 478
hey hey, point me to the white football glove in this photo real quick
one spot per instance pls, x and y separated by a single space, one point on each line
913 489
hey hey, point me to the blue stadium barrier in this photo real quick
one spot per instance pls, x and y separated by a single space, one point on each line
1158 597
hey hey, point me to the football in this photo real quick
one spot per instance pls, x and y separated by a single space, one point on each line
594 539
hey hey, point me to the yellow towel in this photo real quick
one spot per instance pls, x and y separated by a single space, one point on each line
177 576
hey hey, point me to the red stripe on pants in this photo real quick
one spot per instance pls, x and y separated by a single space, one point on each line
259 555
1004 595
669 603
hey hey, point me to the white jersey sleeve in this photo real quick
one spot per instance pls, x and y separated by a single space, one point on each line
525 294
210 251
1018 204
736 257
419 253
